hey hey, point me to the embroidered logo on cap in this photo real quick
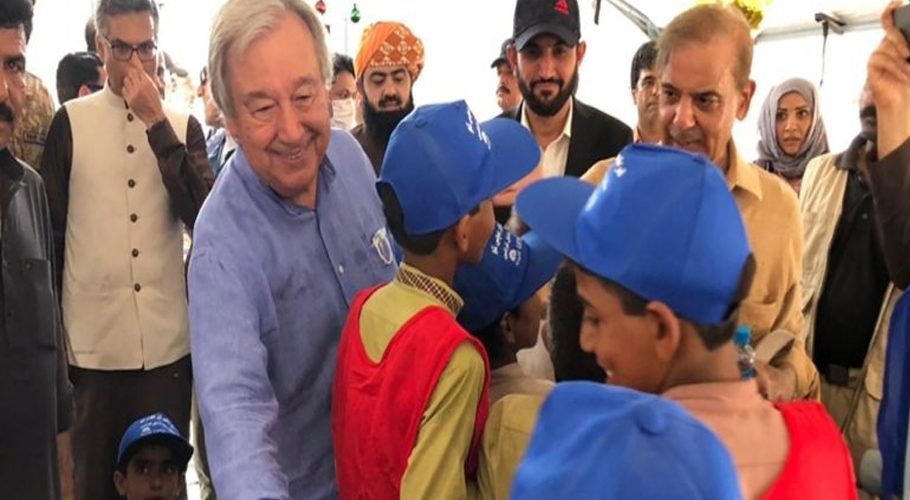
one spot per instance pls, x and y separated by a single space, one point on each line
562 6
474 128
620 169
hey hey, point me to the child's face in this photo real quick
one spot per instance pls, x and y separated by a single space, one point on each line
626 346
152 473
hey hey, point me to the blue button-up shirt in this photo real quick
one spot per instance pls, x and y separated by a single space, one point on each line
270 285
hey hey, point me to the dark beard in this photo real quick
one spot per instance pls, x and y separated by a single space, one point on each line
541 108
381 124
868 118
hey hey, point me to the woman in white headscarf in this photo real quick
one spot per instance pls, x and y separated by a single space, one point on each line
792 130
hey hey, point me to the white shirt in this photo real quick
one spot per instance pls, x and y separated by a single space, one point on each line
553 157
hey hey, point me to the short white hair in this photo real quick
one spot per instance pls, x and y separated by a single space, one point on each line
242 22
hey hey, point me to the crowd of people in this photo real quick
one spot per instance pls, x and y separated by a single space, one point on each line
384 300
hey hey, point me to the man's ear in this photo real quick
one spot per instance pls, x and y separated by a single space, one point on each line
512 57
83 91
668 330
745 100
580 51
232 126
101 47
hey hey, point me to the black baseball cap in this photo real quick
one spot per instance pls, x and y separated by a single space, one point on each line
502 54
554 17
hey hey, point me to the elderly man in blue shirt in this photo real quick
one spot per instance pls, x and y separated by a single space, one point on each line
291 231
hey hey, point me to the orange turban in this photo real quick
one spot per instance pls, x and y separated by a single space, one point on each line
385 44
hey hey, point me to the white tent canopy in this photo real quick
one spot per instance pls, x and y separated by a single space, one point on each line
463 37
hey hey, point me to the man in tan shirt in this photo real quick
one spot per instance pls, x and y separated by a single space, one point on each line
705 57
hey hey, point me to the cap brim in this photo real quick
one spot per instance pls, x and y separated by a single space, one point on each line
550 207
496 62
544 260
183 451
514 152
558 30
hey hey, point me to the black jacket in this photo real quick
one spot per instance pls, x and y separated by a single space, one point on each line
595 136
35 394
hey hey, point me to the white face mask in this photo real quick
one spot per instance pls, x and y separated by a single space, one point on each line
343 115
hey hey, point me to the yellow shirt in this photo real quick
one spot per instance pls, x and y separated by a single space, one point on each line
770 211
436 465
505 439
511 379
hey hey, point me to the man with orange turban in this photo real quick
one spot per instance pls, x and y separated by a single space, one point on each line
388 63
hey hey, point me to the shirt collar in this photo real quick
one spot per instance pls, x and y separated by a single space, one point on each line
112 99
849 159
10 165
741 174
511 370
412 277
566 129
325 179
745 391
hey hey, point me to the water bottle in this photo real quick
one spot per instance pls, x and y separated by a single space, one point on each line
744 350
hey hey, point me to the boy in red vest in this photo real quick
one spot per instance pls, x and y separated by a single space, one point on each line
662 262
410 393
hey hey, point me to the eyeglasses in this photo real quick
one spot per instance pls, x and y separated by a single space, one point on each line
147 51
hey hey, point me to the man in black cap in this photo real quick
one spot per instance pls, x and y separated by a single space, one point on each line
546 53
508 97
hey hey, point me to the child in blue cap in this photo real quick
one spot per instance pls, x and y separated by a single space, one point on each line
152 460
410 391
662 262
503 308
594 441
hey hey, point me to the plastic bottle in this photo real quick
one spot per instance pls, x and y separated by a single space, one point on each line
745 352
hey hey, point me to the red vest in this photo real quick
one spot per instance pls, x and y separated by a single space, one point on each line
377 408
818 466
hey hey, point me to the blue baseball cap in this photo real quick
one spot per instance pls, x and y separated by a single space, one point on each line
512 270
153 429
597 441
441 163
662 224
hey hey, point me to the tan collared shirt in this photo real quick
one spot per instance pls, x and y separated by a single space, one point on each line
505 438
770 211
751 428
511 379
